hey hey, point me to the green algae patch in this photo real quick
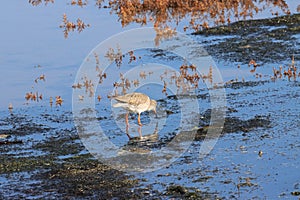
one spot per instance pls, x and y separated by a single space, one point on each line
84 177
21 164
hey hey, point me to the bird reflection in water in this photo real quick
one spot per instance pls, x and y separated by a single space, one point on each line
150 137
142 144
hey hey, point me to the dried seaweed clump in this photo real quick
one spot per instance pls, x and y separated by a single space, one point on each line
71 26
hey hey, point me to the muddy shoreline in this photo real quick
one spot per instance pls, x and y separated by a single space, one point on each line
264 40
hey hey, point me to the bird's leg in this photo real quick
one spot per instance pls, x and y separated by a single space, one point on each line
139 120
127 132
140 132
126 120
155 113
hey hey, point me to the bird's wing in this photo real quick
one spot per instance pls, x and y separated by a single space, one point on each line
138 99
133 98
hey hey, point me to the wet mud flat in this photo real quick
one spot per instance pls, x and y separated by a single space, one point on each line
39 161
256 155
53 164
41 158
266 40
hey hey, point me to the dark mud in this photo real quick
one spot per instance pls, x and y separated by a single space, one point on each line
61 170
264 40
234 125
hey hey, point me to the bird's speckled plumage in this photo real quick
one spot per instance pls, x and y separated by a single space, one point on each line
136 102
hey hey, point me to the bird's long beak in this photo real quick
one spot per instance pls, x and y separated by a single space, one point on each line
155 113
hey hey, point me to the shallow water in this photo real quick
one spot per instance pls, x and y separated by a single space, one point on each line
262 115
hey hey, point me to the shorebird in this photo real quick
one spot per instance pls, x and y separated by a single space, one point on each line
136 103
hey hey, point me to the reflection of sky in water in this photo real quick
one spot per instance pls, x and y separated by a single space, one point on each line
31 36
